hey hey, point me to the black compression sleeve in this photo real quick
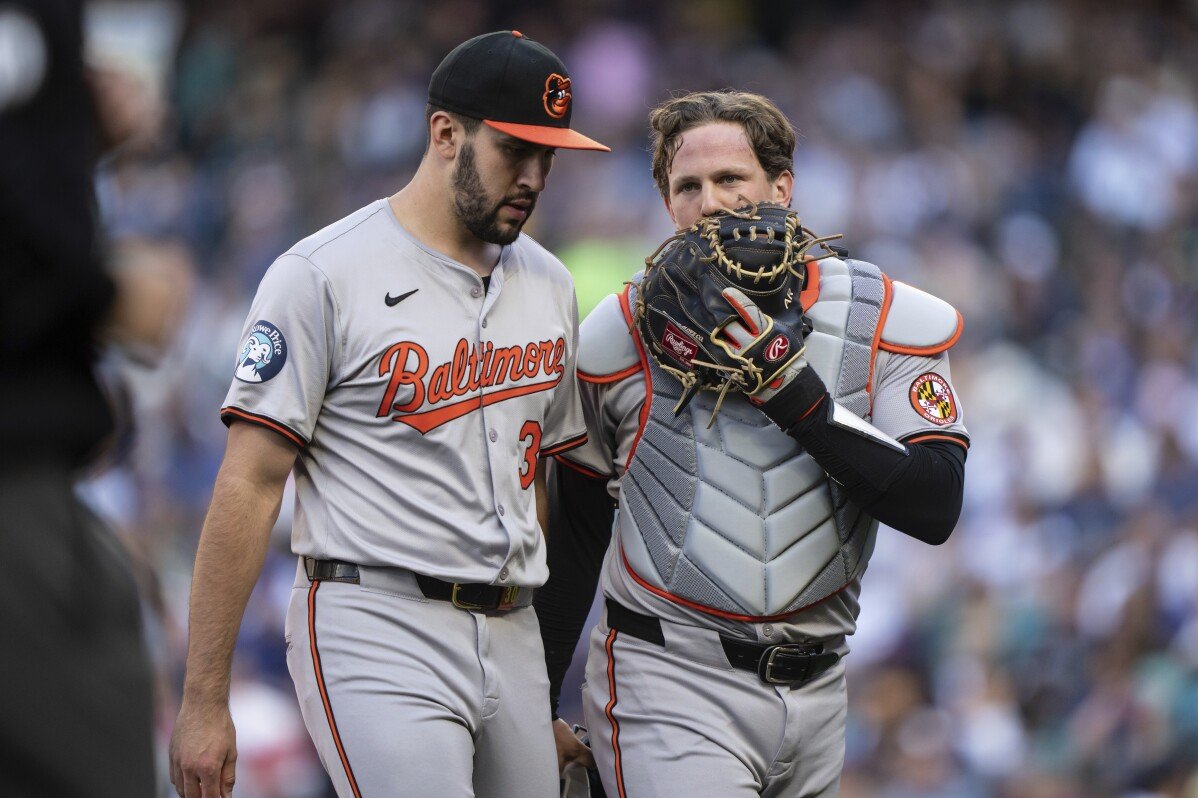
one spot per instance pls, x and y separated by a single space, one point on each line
580 518
917 492
924 498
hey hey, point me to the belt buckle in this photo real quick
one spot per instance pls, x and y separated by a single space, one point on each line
765 666
462 604
507 598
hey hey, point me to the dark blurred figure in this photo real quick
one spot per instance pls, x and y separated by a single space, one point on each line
74 674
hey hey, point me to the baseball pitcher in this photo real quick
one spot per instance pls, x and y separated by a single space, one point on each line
411 365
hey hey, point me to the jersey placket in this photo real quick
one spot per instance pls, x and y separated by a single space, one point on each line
496 435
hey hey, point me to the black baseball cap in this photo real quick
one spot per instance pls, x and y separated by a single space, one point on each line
513 84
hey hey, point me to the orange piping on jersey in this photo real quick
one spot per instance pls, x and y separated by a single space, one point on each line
934 349
431 419
810 294
564 446
644 417
324 693
253 418
922 438
665 594
586 472
611 705
603 379
887 298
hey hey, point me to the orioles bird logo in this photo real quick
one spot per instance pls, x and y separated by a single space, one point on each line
556 96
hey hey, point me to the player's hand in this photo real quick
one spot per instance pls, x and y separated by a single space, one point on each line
203 753
569 748
772 348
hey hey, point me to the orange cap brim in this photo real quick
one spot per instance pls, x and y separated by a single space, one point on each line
560 137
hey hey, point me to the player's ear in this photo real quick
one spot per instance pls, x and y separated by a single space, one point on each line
783 187
444 134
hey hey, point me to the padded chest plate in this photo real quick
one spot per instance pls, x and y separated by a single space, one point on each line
738 518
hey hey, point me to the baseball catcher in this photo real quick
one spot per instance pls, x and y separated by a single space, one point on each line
757 404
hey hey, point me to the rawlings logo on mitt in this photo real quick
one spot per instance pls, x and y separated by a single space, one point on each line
716 306
678 344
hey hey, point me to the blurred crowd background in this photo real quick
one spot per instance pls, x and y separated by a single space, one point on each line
1033 162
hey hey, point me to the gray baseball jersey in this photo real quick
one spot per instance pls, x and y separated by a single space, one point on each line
735 529
420 401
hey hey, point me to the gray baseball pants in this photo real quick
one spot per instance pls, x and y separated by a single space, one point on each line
679 720
406 696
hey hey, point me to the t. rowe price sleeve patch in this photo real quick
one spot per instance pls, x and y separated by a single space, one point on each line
262 354
932 398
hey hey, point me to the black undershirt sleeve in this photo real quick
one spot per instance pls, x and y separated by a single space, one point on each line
917 492
580 519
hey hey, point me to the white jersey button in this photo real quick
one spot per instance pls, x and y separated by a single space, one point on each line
476 292
767 630
503 575
484 322
493 435
500 508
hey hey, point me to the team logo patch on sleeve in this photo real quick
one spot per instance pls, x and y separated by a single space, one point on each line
932 398
262 354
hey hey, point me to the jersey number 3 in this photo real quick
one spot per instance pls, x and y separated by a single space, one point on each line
530 433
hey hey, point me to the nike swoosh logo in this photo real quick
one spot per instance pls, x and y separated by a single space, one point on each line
392 301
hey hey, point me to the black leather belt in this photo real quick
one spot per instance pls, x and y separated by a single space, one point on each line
331 571
786 663
484 598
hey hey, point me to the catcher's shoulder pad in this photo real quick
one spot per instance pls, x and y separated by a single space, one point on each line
606 349
918 323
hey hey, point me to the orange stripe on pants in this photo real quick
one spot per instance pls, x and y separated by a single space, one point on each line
611 718
324 694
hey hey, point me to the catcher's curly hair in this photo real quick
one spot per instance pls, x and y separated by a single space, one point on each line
770 133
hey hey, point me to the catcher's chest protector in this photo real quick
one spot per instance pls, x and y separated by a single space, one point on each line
739 518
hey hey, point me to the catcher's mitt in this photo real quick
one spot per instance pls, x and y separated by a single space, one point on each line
700 281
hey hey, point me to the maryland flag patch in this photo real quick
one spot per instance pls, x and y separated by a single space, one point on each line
933 399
